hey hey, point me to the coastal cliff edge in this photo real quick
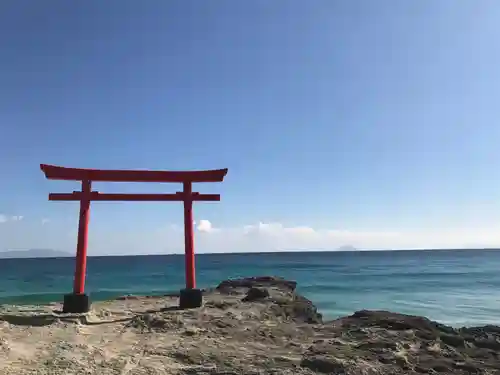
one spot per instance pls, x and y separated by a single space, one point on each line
246 326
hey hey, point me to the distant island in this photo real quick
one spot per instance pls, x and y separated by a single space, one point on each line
33 253
347 248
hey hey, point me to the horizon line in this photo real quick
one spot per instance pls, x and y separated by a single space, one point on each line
69 255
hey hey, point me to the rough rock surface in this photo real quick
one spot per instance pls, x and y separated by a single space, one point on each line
247 326
262 281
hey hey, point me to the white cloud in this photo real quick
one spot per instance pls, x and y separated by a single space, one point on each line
5 218
204 226
45 221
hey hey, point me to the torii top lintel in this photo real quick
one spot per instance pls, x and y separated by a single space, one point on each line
53 172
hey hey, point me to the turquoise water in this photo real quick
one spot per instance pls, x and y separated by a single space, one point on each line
459 287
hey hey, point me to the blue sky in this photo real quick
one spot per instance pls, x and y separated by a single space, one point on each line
360 122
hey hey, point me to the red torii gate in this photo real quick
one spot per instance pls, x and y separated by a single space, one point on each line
190 297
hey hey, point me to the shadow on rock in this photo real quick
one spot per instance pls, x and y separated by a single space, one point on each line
38 320
256 294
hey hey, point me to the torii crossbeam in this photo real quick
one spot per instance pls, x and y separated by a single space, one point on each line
78 301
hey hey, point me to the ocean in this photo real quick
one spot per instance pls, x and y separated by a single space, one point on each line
457 287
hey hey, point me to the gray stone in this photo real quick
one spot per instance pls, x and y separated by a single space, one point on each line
256 294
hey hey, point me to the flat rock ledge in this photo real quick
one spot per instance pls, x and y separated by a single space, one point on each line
252 326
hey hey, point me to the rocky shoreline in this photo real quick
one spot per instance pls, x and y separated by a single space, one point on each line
246 326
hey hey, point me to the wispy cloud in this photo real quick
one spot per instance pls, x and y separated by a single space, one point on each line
45 221
257 237
6 218
277 236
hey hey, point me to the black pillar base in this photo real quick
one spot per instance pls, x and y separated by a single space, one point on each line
190 298
76 303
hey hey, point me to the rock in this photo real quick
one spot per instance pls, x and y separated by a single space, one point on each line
324 364
481 331
261 281
489 343
189 356
298 309
453 340
149 322
468 367
394 321
255 294
378 345
223 305
398 344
